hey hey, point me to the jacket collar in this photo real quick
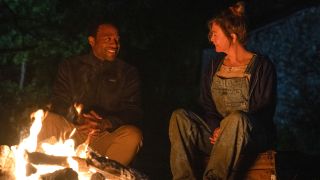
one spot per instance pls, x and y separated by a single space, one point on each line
94 61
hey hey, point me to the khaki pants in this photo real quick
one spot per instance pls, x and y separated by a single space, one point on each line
120 145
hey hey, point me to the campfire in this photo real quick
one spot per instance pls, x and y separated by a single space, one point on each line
57 159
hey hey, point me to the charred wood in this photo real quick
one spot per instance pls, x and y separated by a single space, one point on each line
62 174
30 169
41 158
97 176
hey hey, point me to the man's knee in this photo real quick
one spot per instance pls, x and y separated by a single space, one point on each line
54 125
53 119
132 134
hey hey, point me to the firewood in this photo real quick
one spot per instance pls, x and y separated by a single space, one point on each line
97 176
41 158
30 169
82 164
6 175
7 162
62 174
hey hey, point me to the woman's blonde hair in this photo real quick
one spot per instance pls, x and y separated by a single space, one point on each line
232 20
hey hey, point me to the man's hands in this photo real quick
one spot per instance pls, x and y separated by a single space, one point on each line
93 123
215 135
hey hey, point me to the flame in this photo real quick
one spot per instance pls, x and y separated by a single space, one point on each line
28 144
72 132
73 164
60 148
78 107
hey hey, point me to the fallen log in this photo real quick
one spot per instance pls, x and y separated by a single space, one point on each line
62 174
41 158
112 169
97 176
30 169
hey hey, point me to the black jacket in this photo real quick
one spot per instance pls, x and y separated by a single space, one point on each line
112 89
262 94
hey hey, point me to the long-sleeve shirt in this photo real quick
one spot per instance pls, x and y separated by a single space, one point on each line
112 89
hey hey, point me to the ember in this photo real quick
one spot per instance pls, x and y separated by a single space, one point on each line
55 159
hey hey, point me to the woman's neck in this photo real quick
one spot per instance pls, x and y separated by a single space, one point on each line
237 56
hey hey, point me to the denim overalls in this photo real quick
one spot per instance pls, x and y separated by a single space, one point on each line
231 97
189 133
231 94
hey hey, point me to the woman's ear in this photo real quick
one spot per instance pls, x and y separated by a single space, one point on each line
234 37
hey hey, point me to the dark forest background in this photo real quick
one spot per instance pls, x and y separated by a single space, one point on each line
167 42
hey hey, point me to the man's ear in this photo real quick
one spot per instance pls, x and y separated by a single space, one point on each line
234 37
91 41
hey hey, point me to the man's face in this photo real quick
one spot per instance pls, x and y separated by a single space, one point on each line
105 45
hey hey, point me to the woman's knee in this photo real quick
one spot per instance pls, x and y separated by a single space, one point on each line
178 117
178 121
239 115
237 118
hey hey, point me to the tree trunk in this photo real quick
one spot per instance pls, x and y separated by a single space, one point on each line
22 75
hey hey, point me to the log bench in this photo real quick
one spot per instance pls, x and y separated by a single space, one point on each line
254 166
261 166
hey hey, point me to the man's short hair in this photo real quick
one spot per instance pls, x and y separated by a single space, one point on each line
93 27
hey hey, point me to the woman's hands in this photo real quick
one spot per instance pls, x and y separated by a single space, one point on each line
215 135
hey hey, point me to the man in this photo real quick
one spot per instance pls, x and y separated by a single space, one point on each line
108 89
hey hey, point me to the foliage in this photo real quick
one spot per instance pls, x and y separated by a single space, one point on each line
294 46
31 37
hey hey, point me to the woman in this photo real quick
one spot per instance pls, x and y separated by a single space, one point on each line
238 95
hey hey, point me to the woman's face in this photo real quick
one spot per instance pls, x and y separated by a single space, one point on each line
219 39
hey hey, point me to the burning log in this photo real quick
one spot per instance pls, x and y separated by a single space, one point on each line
30 169
26 157
111 169
100 165
41 158
82 164
6 162
97 176
62 174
